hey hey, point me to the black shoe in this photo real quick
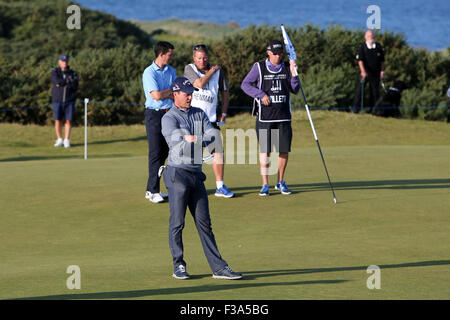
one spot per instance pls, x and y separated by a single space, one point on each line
180 273
227 273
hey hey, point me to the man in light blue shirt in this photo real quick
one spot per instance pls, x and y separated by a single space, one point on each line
156 81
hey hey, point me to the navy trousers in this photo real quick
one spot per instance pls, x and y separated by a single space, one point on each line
157 148
186 189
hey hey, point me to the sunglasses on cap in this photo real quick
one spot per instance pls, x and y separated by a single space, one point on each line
198 46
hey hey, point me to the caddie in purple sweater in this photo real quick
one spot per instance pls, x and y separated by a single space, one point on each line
270 83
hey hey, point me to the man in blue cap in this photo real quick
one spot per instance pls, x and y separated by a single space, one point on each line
186 130
64 94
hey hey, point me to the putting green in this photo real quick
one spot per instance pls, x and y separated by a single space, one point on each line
60 210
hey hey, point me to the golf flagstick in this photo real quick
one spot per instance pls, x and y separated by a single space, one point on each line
318 144
293 56
289 48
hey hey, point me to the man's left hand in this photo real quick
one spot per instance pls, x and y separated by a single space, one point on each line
293 67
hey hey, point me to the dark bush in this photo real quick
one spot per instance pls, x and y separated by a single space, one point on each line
110 56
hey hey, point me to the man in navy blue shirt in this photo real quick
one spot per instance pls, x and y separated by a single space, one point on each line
64 94
156 81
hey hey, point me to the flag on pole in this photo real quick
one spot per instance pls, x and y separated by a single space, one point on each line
293 56
289 47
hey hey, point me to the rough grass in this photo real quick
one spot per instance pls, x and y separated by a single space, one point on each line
180 30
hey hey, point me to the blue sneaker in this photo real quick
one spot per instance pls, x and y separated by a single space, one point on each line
227 273
180 273
282 187
264 190
224 192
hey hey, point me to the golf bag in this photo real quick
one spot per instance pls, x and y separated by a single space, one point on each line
387 105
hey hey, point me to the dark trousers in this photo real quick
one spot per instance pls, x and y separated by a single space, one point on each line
374 84
157 148
187 190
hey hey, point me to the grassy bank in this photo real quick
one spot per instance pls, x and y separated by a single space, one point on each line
20 143
176 30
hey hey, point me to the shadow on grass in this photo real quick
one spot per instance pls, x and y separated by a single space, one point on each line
112 141
352 185
238 284
61 157
250 275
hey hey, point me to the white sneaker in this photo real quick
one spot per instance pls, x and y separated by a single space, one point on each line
66 143
154 197
148 194
59 143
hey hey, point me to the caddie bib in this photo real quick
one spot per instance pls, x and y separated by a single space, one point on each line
206 98
277 86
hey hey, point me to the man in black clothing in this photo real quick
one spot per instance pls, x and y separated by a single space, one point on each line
371 65
64 94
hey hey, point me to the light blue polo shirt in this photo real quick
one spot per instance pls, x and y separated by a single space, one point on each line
156 79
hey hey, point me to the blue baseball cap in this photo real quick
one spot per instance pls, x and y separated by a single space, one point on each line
64 57
183 84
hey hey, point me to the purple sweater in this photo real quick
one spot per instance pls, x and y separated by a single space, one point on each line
253 76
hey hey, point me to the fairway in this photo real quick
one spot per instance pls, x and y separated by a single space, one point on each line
391 178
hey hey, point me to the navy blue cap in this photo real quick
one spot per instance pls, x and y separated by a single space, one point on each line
64 57
183 84
276 46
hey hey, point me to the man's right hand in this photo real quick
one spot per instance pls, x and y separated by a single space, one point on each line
211 71
363 75
202 81
190 138
265 100
215 67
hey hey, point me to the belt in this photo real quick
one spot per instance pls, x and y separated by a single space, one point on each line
157 110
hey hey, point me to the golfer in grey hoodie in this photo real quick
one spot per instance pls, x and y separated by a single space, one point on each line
186 130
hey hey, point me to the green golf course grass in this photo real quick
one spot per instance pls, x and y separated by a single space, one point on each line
391 178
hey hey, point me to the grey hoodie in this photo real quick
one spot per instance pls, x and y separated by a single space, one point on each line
177 123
